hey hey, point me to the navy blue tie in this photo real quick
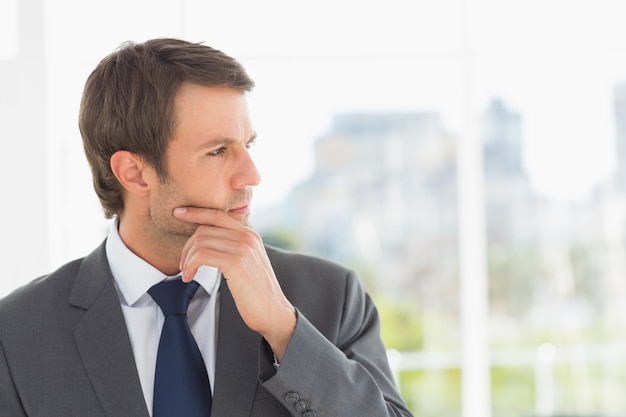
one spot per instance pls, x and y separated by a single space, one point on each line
181 383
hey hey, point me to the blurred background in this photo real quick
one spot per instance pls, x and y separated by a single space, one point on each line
466 157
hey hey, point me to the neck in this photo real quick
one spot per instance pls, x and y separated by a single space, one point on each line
159 250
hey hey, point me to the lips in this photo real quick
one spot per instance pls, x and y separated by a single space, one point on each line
241 209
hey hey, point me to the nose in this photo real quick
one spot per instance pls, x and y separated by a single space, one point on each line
245 173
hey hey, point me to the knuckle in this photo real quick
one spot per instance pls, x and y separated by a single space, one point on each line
250 238
203 253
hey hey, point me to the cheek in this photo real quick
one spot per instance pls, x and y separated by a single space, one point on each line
196 183
161 211
194 191
167 197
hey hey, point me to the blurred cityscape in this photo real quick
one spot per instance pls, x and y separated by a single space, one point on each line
383 199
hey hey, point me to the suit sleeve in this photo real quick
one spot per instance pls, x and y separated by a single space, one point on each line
347 376
10 405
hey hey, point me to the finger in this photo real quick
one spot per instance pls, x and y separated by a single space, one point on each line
213 237
203 256
203 215
193 260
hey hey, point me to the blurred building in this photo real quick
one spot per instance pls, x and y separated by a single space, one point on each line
382 195
509 202
619 105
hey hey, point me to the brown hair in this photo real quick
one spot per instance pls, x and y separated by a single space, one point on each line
128 104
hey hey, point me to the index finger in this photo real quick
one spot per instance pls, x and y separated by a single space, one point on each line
201 215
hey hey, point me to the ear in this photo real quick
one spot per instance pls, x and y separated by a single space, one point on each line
131 171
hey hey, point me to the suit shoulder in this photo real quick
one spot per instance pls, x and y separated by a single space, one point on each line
298 272
285 259
42 290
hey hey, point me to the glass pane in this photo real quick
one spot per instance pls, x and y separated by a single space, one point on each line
552 128
279 28
554 26
8 29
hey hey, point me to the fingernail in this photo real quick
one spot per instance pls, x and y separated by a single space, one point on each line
180 210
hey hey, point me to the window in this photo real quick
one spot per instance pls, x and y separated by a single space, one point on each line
466 157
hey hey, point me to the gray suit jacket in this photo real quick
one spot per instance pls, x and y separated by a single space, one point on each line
65 350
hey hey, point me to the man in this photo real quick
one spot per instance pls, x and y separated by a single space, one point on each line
166 130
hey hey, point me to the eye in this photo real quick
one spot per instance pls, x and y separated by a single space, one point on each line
218 152
251 143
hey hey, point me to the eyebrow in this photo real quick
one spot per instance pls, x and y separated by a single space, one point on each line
224 140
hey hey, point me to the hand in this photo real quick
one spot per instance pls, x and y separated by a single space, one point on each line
238 252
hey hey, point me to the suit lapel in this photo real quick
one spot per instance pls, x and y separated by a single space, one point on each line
237 366
103 342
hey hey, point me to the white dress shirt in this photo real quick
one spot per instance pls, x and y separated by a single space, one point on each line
144 319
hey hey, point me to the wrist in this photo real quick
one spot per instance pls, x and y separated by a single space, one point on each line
279 336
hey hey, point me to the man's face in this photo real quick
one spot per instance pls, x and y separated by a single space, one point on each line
207 159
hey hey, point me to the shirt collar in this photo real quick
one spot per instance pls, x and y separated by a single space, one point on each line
134 276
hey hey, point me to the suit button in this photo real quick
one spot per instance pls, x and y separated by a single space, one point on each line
292 397
309 414
301 406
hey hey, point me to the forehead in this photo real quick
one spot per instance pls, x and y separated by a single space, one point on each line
213 110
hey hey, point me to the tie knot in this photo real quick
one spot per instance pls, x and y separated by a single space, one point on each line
173 296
